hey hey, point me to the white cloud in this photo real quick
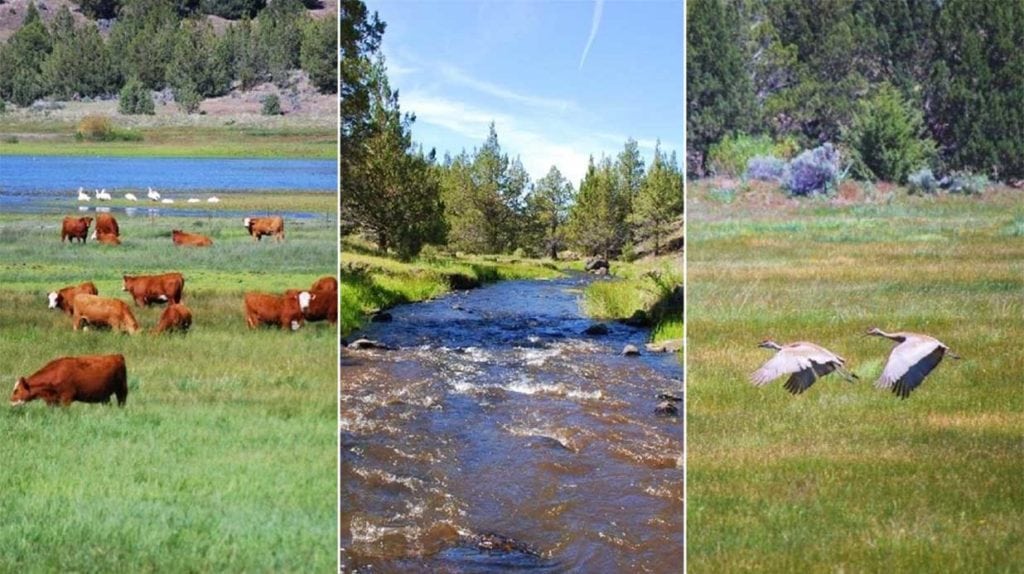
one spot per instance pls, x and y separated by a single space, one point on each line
595 23
458 77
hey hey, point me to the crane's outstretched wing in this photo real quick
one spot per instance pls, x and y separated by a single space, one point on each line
802 380
780 364
908 365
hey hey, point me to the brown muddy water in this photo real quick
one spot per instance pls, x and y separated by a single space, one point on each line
495 436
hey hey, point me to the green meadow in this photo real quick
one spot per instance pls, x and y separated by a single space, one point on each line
846 477
223 459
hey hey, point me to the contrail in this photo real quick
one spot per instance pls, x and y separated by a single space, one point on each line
594 25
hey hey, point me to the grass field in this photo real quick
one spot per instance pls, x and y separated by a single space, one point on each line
848 478
226 140
224 458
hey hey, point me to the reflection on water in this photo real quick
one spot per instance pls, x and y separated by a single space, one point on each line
496 436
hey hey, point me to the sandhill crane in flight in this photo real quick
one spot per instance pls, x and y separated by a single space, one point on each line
130 197
910 361
804 362
82 196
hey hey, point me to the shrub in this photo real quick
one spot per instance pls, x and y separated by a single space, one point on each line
3 107
271 105
95 128
99 128
135 99
922 181
188 98
814 171
888 138
732 154
766 168
964 182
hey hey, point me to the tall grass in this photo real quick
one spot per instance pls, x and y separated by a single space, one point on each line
645 286
847 477
224 457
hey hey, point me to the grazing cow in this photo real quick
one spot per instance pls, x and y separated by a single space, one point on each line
260 226
87 379
280 310
106 225
64 298
75 228
325 283
175 317
108 239
149 289
96 310
180 237
317 305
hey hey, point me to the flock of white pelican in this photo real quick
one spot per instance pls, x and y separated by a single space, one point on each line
152 195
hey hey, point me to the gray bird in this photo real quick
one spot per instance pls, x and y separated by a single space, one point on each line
910 361
804 362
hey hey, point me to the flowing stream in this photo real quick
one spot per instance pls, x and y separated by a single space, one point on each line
494 435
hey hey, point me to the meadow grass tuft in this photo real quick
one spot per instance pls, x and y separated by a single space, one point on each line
223 459
847 477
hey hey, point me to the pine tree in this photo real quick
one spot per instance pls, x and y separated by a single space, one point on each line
547 207
888 136
597 222
21 79
660 201
319 55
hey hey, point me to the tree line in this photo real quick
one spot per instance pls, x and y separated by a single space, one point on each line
155 44
481 201
897 84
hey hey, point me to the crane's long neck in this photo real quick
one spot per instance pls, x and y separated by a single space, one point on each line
898 337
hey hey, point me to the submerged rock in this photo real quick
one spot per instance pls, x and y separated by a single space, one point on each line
630 351
639 318
367 344
670 346
669 397
666 409
381 317
596 329
596 263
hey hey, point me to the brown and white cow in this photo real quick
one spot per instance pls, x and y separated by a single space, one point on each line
149 289
266 309
87 379
260 226
64 298
180 237
325 283
74 228
106 225
103 311
317 305
175 317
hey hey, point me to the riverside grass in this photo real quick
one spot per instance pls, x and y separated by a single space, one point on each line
848 478
223 459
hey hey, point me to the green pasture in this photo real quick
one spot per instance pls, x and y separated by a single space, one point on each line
224 458
846 477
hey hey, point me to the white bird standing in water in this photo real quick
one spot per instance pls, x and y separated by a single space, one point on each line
804 362
102 194
82 196
910 361
153 194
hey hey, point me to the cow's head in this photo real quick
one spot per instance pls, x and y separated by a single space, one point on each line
247 222
22 394
304 298
126 280
54 298
85 221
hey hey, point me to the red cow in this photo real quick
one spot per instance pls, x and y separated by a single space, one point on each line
260 226
98 311
64 298
149 289
280 310
175 317
180 237
88 379
75 228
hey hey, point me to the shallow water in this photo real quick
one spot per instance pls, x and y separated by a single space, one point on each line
38 184
494 415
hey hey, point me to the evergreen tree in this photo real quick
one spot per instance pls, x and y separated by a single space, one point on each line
888 137
21 78
79 63
319 54
597 222
397 199
280 37
135 99
547 207
200 67
629 167
719 97
660 201
143 40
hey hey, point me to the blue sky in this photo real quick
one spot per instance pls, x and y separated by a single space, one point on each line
561 80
